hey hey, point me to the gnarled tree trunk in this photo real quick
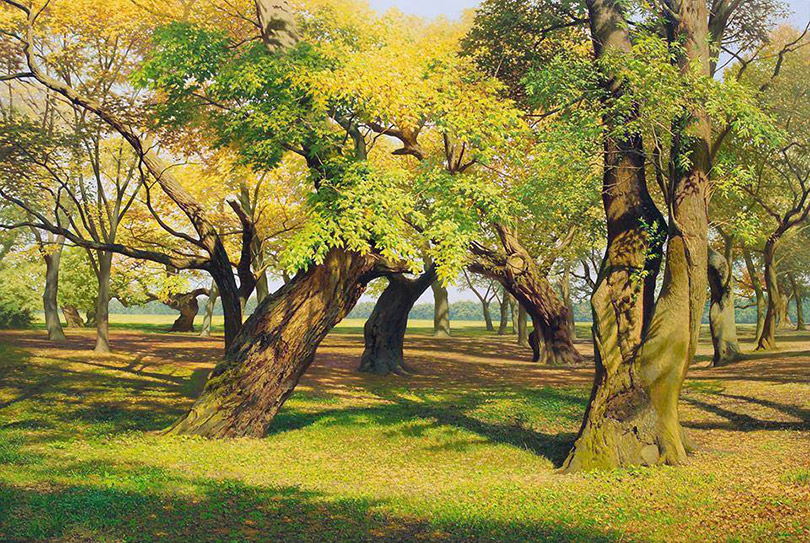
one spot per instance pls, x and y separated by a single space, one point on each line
72 317
384 332
275 346
520 275
643 349
188 306
721 310
50 295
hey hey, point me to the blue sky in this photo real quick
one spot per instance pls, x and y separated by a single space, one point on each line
453 8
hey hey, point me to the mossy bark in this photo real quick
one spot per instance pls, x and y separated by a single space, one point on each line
275 347
384 331
643 349
721 310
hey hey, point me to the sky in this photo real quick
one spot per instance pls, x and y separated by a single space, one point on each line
453 8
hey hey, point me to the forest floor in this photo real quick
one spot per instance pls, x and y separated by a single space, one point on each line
465 449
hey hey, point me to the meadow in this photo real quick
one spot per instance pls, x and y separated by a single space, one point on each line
465 448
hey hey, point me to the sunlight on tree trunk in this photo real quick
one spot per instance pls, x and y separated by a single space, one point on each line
721 311
275 347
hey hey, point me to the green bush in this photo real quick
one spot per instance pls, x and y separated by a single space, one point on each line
12 315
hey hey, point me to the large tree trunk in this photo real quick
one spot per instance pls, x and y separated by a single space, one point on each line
274 348
213 294
50 295
783 316
721 310
72 317
103 303
441 310
518 272
188 306
222 273
758 294
384 332
768 338
521 276
503 324
797 295
643 350
487 316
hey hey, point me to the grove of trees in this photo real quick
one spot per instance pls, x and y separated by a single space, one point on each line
648 158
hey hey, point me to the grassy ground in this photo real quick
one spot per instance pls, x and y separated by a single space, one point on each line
463 450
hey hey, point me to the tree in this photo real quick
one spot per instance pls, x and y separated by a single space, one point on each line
384 331
485 296
644 351
441 310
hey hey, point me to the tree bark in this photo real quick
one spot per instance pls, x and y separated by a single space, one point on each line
797 295
758 294
521 276
50 295
274 348
188 306
721 310
384 331
441 310
767 340
503 324
523 328
643 349
487 316
72 317
513 313
103 303
213 294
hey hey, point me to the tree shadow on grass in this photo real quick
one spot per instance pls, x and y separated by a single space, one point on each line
140 504
453 411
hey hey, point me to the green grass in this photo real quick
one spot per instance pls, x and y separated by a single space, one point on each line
368 459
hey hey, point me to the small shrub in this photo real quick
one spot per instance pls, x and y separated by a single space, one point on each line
12 315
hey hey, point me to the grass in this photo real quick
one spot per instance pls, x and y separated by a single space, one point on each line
466 449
